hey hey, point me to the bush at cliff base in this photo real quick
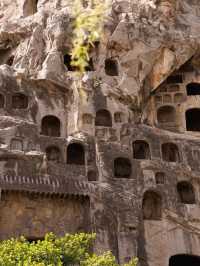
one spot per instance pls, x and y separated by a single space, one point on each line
70 250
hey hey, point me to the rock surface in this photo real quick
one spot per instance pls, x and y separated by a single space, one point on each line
120 156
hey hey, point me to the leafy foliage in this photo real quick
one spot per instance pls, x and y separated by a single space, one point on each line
88 26
53 251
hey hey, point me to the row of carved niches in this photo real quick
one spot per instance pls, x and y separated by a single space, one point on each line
103 118
122 166
176 93
111 67
153 201
76 157
75 152
18 101
110 64
177 101
103 122
171 114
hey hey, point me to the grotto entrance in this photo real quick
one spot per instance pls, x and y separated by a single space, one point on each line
184 260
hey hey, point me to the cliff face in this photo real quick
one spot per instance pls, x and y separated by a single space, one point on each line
121 156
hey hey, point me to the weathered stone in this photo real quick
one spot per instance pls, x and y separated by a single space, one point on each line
120 156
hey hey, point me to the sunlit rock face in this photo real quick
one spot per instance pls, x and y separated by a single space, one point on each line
120 156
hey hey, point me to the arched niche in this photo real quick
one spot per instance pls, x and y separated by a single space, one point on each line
193 88
111 67
53 154
170 152
122 168
186 192
50 126
166 114
103 118
184 260
192 119
141 150
19 101
175 79
152 206
75 154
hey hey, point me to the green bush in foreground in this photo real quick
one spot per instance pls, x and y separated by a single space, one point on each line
69 250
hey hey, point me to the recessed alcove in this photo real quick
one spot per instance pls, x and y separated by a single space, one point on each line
170 152
2 101
30 7
175 79
19 101
68 62
53 154
184 260
50 126
16 145
122 168
103 118
92 175
90 66
119 117
193 89
152 206
160 178
111 67
192 119
75 154
166 114
186 192
141 150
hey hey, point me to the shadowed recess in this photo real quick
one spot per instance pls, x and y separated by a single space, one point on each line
192 119
184 260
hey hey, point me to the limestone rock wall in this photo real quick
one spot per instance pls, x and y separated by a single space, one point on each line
119 157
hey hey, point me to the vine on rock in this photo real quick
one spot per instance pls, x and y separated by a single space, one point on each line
88 26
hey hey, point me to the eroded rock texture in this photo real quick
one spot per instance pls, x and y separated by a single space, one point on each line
119 157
